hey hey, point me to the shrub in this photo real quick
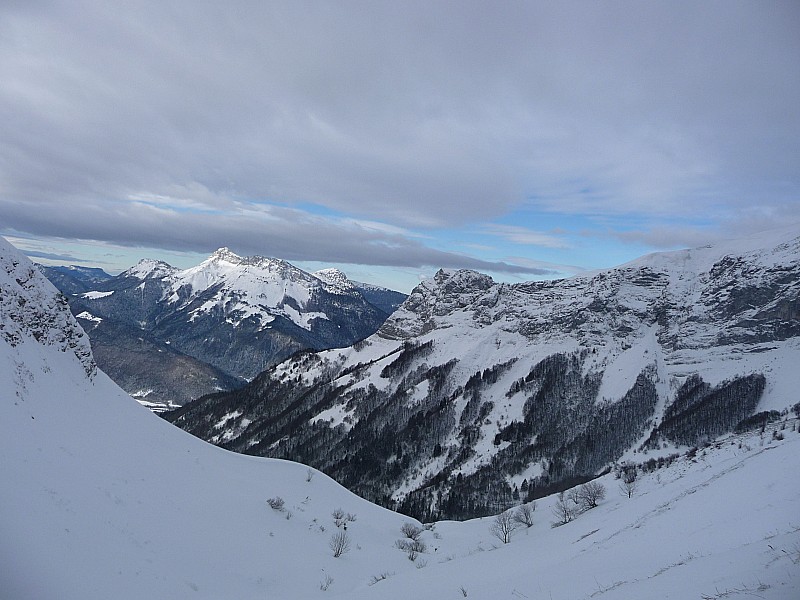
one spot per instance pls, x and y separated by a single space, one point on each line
276 503
590 494
524 514
339 543
411 531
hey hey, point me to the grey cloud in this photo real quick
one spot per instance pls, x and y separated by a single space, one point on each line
417 114
52 256
285 233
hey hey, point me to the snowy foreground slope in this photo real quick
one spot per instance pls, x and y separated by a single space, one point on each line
102 499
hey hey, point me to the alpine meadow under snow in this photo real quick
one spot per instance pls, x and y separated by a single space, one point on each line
103 499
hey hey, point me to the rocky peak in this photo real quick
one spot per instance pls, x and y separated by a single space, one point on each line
31 307
334 278
447 292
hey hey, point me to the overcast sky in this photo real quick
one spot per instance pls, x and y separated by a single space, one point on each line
525 139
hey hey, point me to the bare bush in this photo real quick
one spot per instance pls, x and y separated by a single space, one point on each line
563 510
411 531
503 526
326 583
524 514
590 494
338 517
276 503
376 578
414 549
339 543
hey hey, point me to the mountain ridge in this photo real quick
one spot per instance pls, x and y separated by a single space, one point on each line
473 388
214 325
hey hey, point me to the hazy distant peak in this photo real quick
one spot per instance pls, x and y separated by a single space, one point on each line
150 268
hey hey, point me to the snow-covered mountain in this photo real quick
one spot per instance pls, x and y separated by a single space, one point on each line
102 499
168 335
385 299
474 393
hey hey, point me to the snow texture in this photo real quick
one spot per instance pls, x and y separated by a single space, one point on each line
102 499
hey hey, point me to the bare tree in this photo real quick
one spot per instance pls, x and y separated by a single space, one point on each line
563 510
575 496
340 543
503 526
411 531
627 486
524 514
590 494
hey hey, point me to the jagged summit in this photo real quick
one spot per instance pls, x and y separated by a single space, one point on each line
445 292
335 278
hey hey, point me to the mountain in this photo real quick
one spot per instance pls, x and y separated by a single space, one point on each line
385 299
168 335
74 279
102 499
153 372
474 394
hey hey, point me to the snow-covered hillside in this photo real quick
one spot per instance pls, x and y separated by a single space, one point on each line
102 499
474 394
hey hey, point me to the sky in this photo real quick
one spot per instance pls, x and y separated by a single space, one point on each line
527 140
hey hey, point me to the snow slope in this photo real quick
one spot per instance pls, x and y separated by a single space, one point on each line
102 499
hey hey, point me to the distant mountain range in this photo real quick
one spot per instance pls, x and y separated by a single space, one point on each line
474 394
168 335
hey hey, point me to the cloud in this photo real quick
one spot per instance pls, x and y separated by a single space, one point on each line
525 236
274 231
416 116
51 256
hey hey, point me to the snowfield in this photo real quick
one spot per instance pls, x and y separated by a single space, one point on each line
102 499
